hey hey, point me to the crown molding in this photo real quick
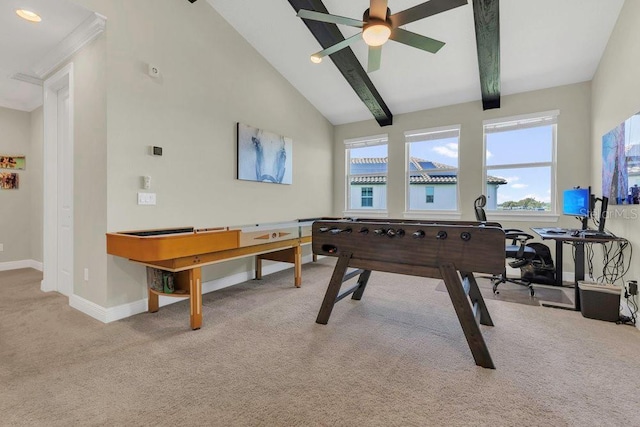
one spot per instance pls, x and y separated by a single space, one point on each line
86 32
15 105
27 79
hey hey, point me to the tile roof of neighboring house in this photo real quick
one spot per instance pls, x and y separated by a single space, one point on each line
426 172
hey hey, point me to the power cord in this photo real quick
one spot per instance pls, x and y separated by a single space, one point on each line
630 293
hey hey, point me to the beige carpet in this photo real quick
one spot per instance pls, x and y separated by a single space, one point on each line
396 358
519 294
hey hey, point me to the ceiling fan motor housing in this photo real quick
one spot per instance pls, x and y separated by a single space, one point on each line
376 31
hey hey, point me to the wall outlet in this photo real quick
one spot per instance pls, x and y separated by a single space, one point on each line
86 274
146 198
1 247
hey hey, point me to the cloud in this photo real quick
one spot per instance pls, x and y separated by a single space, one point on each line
513 179
519 186
489 154
448 150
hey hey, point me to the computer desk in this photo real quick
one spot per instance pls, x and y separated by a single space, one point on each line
578 242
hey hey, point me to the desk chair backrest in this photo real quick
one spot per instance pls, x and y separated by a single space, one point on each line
479 205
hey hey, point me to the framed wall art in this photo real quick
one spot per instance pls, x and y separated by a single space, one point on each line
264 156
9 181
12 162
621 162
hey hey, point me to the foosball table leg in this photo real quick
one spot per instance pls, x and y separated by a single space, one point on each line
482 313
334 287
466 316
362 283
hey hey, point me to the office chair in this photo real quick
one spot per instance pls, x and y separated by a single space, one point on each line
517 249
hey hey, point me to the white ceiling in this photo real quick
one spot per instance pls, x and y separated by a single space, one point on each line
543 43
24 46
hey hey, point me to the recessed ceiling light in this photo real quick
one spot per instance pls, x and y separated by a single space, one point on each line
28 15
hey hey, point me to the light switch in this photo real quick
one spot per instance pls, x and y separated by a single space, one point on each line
146 198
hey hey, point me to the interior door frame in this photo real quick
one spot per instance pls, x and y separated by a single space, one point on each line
62 78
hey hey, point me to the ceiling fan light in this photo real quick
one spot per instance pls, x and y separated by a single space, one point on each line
376 34
28 15
316 59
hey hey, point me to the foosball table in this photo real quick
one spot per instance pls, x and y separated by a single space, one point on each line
184 251
451 251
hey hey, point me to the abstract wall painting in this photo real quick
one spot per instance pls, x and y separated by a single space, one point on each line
264 156
621 162
12 162
9 181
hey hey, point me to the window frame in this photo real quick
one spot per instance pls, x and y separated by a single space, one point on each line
368 141
419 135
525 121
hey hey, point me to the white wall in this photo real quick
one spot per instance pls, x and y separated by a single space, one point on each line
616 96
37 183
210 78
15 139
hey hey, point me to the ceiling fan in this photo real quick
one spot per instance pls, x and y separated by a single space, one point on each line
378 26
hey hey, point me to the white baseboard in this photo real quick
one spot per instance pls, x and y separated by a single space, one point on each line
112 314
25 263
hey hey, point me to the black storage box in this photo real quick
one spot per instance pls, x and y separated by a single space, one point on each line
600 301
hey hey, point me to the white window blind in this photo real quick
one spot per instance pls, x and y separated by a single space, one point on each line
521 122
432 134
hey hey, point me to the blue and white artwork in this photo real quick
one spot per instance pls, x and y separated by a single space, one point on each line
621 162
264 156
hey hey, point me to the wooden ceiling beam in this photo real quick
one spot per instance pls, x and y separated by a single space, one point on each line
486 16
345 60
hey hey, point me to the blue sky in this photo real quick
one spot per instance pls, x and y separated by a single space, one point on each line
504 148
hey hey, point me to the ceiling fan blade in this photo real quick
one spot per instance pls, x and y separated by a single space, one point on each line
416 40
340 45
332 19
378 9
375 54
424 10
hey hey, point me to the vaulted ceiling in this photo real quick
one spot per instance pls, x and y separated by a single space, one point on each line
493 48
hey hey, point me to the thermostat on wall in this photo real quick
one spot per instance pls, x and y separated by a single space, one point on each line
156 151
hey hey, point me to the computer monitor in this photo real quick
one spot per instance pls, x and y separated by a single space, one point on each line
602 212
577 202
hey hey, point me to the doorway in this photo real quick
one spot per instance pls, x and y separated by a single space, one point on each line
58 252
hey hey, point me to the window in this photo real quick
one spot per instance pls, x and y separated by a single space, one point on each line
520 163
366 196
430 194
432 169
366 183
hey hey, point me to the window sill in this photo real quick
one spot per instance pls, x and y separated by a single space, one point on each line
373 213
429 215
522 216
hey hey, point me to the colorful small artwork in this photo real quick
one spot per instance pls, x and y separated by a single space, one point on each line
621 162
9 181
264 156
12 162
